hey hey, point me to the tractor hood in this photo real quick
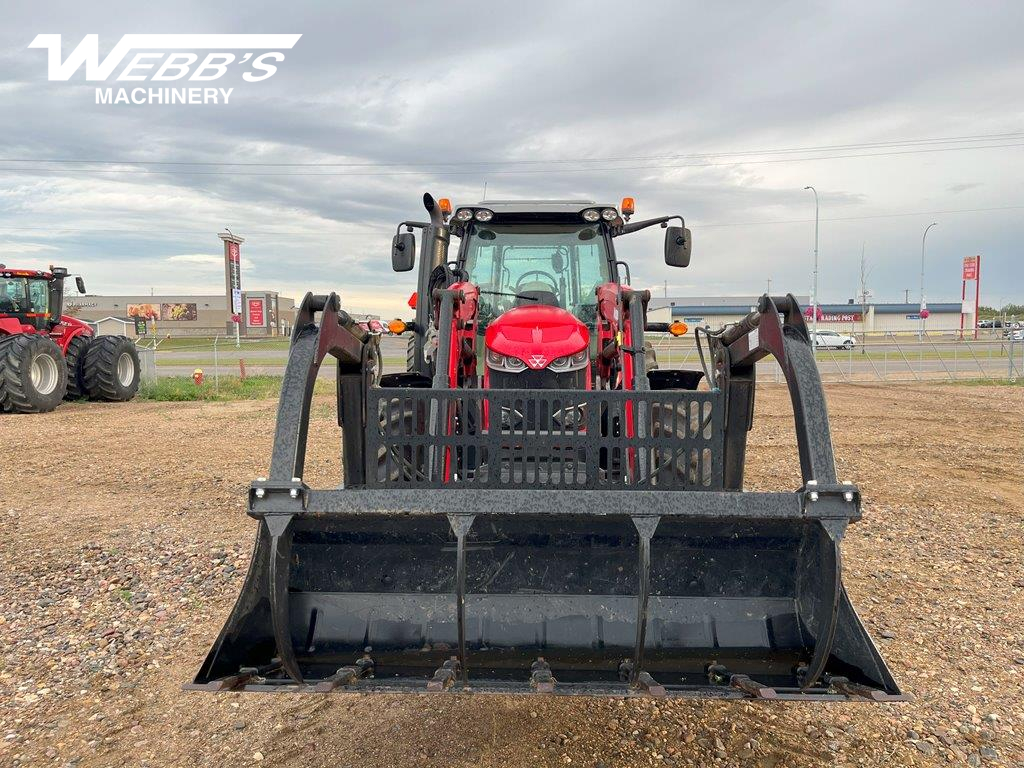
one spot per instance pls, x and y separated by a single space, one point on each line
537 335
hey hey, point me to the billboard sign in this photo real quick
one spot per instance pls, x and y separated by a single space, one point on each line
140 326
145 311
236 301
256 313
182 311
970 267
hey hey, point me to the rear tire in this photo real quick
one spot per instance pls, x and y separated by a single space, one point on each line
34 375
110 369
75 357
4 341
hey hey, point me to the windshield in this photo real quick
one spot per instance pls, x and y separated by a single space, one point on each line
19 295
555 264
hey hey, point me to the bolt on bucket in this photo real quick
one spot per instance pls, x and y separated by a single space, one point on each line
602 604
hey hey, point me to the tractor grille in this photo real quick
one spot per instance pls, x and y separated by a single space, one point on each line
664 440
543 379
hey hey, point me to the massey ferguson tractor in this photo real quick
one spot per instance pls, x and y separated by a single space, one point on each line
46 356
533 506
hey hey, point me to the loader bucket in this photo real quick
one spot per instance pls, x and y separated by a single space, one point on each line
543 556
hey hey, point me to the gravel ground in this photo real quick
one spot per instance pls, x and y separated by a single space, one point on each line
116 583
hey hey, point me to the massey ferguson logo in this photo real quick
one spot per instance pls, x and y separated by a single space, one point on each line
537 362
168 58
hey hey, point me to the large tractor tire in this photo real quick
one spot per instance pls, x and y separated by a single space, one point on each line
4 341
75 359
33 372
111 369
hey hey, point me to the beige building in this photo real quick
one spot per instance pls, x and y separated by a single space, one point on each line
264 313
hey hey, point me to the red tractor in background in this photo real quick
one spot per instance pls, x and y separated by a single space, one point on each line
46 356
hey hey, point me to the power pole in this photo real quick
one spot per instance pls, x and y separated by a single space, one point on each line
666 289
906 295
864 294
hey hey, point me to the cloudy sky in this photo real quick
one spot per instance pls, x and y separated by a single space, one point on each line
899 114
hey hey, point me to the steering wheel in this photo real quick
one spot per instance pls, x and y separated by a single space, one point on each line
545 278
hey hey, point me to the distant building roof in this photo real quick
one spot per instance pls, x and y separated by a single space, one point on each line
735 305
716 302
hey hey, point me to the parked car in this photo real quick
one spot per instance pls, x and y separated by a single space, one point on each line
834 340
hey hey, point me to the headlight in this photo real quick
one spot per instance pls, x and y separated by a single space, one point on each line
484 215
571 362
464 214
591 214
609 213
504 363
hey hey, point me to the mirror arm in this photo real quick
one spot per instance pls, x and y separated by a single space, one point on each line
636 226
410 225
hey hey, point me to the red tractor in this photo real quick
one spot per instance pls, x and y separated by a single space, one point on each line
533 506
46 356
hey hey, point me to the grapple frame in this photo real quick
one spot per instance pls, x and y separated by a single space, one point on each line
484 542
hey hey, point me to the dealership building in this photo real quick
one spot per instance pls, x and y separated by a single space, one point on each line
264 313
715 311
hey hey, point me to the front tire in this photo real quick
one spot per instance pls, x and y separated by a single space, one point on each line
111 369
34 375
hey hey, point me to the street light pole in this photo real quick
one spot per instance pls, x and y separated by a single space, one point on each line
921 309
814 297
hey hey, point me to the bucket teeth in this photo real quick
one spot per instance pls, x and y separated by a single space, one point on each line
720 675
348 675
754 688
844 686
541 679
445 676
649 685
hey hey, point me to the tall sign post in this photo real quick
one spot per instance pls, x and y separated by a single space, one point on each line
971 271
233 279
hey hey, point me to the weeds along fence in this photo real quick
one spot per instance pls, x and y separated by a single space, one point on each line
933 356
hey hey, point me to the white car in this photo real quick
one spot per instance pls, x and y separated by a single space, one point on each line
833 340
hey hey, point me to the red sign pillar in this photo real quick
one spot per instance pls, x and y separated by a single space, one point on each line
233 277
971 271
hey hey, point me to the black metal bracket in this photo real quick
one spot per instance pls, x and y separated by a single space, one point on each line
278 497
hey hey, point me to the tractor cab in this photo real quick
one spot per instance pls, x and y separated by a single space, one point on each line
32 298
539 297
29 297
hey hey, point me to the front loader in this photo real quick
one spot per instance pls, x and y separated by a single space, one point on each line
534 506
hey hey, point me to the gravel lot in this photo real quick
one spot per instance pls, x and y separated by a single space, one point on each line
125 542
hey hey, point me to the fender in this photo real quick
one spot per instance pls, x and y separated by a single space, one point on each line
68 329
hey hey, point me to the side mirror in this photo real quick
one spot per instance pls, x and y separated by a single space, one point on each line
80 283
403 252
677 246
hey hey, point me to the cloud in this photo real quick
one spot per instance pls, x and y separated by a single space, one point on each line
956 189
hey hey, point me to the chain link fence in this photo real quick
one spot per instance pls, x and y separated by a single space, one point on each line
933 356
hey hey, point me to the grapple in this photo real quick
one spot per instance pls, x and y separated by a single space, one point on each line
549 541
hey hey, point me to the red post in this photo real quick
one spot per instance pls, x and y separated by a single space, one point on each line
977 297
